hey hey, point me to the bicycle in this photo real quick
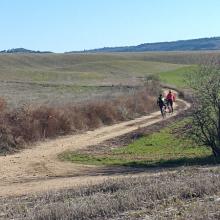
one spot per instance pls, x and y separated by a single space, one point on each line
164 112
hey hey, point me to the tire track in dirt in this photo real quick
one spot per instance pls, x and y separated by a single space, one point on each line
38 169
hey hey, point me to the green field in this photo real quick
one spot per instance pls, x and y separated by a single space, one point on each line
177 77
78 68
160 149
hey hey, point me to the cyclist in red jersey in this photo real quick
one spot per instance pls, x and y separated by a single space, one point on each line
170 99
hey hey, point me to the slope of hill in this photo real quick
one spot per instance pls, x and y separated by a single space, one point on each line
181 45
59 78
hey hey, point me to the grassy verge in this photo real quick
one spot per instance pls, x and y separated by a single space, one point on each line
164 149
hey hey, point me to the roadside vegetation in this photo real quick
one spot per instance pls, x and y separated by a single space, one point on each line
184 194
31 123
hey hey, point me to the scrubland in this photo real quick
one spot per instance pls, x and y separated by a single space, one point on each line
191 193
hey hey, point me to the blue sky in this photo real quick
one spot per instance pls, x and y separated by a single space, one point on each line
65 25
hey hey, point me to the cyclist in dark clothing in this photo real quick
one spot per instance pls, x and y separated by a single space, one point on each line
161 104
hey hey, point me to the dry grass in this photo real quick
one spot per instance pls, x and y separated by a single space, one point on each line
158 197
64 78
32 123
53 78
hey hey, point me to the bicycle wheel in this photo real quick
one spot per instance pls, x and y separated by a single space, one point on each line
164 113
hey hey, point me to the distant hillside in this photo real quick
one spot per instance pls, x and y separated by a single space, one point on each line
181 45
23 50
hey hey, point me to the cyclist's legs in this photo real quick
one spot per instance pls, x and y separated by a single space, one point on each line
170 103
161 109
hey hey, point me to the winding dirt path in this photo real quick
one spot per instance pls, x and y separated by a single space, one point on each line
38 169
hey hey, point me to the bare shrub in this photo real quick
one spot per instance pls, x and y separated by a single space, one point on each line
52 121
7 141
3 104
32 123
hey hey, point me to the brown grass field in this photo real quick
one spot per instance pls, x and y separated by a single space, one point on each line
64 78
67 78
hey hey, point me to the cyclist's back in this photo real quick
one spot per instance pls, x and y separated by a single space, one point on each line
170 99
160 103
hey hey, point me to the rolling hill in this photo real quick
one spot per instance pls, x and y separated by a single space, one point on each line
201 44
23 50
181 45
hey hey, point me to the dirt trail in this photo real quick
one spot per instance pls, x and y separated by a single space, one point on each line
37 169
